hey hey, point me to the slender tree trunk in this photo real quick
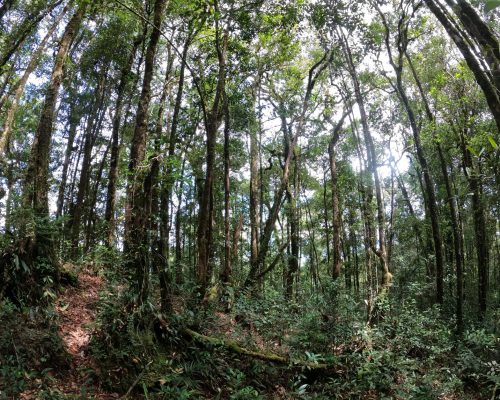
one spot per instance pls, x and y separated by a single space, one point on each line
372 164
227 270
488 86
480 32
17 38
314 73
74 121
336 214
205 216
325 214
397 65
136 239
293 224
18 87
115 145
455 225
169 172
91 236
94 124
336 224
36 243
254 188
160 254
479 218
179 279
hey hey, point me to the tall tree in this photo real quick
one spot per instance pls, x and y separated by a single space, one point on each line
212 120
136 239
36 184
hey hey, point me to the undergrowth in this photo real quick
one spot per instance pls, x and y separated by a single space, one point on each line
410 354
31 351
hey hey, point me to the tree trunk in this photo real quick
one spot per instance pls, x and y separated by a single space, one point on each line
372 165
227 270
21 32
455 225
488 86
205 216
136 232
479 218
397 65
314 73
160 246
115 145
479 31
74 121
254 181
336 214
93 126
19 86
36 184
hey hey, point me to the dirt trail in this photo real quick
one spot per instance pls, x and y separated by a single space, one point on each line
77 310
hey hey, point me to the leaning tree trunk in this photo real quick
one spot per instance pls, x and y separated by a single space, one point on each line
18 88
397 65
25 28
372 165
453 209
487 85
269 226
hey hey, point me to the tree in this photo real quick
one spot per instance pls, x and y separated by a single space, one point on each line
35 243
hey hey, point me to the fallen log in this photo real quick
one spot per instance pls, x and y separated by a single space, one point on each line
236 348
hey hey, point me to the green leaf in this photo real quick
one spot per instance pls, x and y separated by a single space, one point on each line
492 142
491 5
472 151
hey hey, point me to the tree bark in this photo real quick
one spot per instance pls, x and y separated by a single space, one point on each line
93 126
451 200
227 270
397 65
212 122
115 145
487 86
336 214
136 240
26 27
74 121
479 221
372 165
18 87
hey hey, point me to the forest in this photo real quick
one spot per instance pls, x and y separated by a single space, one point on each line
249 199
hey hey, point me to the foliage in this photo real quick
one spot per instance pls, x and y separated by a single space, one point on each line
30 348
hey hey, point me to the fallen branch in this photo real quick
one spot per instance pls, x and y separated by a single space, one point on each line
236 348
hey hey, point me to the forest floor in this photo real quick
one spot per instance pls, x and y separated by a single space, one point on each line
76 307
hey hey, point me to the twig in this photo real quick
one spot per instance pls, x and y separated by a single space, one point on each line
136 381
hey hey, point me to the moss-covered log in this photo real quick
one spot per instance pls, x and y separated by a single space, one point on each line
265 356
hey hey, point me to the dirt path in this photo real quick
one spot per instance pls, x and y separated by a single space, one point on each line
77 310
